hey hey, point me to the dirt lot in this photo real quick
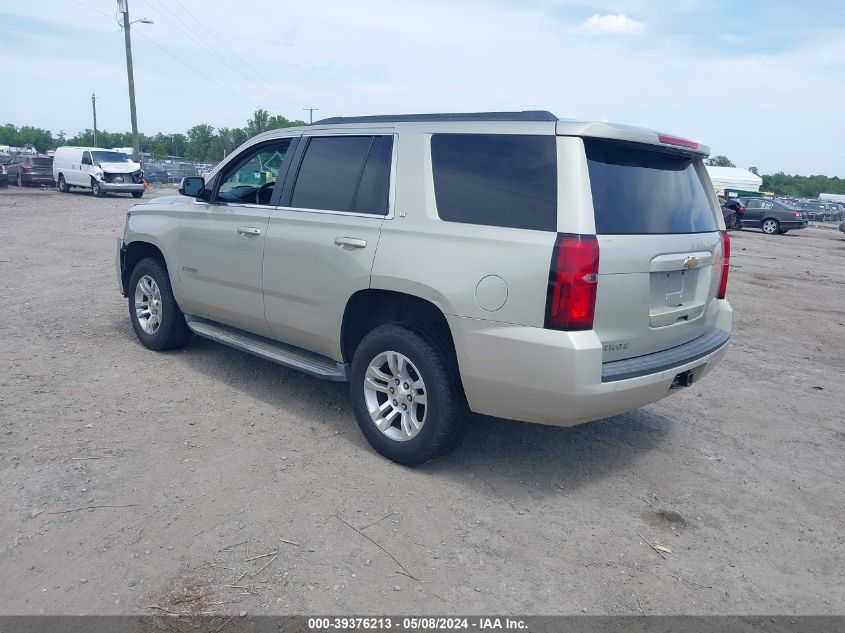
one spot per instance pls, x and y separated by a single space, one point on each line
210 459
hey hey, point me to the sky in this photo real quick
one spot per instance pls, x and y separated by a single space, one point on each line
762 82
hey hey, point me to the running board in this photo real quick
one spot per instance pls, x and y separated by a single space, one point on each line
268 349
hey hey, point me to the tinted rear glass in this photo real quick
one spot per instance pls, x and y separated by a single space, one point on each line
373 190
637 191
42 161
330 171
496 179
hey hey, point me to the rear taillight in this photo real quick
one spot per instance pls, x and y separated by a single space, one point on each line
573 279
726 262
27 165
796 214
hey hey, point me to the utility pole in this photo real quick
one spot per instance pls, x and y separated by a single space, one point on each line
123 7
94 106
310 114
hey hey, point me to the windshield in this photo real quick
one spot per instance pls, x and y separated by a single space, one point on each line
111 157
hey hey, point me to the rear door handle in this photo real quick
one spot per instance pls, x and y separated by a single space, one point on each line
248 231
351 242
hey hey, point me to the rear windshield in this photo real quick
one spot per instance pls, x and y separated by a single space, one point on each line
637 191
42 161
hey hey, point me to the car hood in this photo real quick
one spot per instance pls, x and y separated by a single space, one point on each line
164 200
120 168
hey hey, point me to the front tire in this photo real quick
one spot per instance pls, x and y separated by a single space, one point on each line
137 194
406 394
770 226
96 189
156 318
63 187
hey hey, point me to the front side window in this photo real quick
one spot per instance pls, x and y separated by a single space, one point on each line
252 177
496 179
86 158
345 173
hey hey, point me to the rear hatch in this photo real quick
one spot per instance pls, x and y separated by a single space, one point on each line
660 250
40 166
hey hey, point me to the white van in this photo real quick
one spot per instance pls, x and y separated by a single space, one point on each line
100 170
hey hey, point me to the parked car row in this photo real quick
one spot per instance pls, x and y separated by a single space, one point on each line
25 170
819 211
163 172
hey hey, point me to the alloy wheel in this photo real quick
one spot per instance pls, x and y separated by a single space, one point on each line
395 394
148 307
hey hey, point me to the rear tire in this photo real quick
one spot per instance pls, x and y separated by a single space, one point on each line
63 187
770 226
427 388
156 318
137 194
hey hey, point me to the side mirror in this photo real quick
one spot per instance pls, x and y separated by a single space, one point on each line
192 186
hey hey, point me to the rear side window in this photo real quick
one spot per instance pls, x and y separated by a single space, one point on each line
374 188
638 191
496 179
345 173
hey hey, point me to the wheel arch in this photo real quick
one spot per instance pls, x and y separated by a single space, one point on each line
134 252
369 308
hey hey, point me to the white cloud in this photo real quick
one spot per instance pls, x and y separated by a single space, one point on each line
619 24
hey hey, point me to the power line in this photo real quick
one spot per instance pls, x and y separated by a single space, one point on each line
173 55
222 43
90 8
200 73
198 39
186 31
311 114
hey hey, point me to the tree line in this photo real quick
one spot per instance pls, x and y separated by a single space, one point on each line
783 184
206 144
202 143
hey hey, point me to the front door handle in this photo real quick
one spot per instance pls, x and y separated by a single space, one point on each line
248 231
351 242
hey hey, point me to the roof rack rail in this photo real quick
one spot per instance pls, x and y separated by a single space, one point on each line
525 115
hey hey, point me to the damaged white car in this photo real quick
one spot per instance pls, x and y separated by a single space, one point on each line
100 170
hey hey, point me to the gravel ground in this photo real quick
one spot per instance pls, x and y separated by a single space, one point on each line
208 459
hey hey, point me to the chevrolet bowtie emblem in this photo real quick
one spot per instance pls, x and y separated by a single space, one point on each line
691 262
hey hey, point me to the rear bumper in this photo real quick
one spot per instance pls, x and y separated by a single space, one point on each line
40 179
792 225
558 378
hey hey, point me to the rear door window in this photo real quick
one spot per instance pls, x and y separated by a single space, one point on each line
345 173
504 180
638 191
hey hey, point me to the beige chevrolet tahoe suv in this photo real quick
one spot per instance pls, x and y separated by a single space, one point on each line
512 264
